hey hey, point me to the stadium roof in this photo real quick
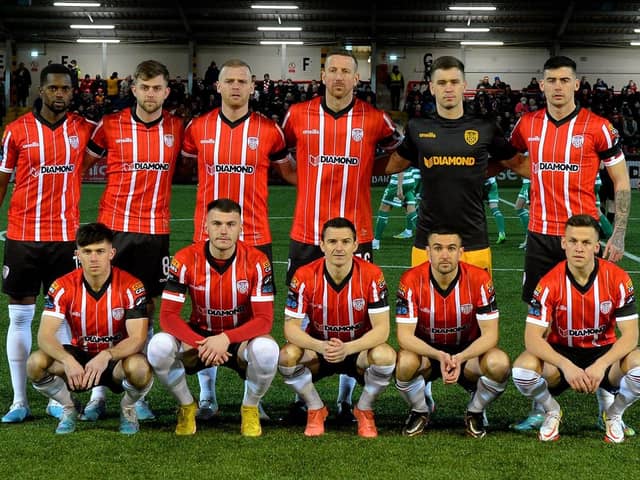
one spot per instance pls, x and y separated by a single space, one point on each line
549 24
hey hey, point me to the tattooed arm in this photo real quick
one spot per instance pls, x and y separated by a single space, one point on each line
622 188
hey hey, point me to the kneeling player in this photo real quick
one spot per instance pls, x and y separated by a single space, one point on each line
106 311
231 290
346 301
447 322
571 333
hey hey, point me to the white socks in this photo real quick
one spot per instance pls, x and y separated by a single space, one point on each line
376 379
413 393
262 364
162 354
299 378
19 348
533 386
487 391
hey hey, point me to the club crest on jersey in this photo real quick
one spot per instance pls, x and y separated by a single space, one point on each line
242 286
168 140
577 141
606 307
358 304
74 141
117 313
252 142
357 134
466 309
471 136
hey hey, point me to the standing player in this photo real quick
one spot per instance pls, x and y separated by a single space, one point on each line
570 335
345 300
142 144
231 290
493 199
448 327
335 138
45 148
566 144
235 149
522 210
401 191
452 150
106 309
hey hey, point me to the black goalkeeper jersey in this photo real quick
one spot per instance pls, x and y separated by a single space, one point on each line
453 156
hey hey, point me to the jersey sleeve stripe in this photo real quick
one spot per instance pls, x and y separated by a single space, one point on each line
174 298
378 310
408 320
53 314
294 314
262 298
488 316
537 321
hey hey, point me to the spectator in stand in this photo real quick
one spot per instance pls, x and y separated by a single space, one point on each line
484 83
22 80
125 90
396 87
583 99
584 84
313 90
86 83
498 84
631 86
522 107
600 86
533 85
98 83
211 77
113 84
177 90
413 103
75 73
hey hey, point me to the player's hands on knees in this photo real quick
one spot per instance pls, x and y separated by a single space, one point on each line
449 368
596 373
74 373
577 378
213 350
94 368
335 351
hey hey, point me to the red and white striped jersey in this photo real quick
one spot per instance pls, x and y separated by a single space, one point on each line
451 316
335 153
141 159
97 319
222 296
233 162
47 159
565 158
583 316
337 311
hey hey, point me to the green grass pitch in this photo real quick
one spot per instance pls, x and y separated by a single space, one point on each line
31 450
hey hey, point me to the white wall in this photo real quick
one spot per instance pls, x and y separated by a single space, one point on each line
515 66
301 62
